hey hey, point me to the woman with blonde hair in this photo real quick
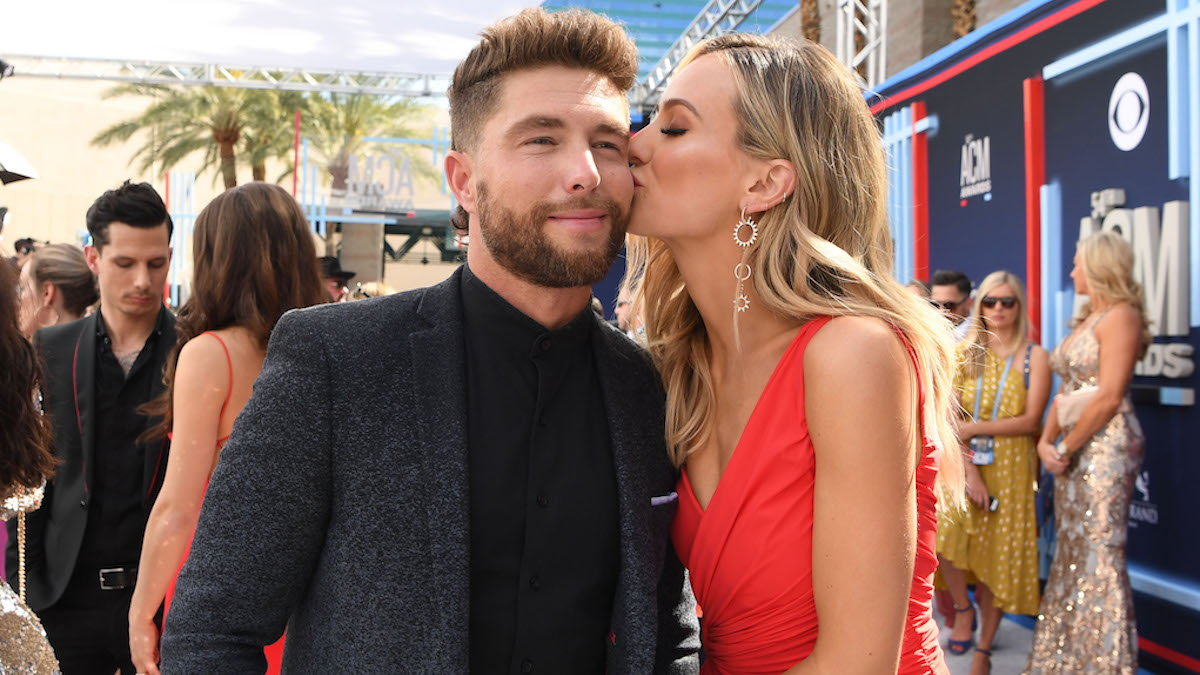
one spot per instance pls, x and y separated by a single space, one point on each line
808 393
56 287
253 260
1094 446
1004 383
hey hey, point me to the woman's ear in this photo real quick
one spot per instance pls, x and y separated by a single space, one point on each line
49 293
775 182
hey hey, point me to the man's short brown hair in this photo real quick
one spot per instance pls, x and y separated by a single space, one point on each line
529 39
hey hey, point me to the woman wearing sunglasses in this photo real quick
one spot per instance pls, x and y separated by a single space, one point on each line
1004 383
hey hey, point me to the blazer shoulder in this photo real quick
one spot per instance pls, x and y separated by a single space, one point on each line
53 339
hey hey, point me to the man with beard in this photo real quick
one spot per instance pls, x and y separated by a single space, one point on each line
469 477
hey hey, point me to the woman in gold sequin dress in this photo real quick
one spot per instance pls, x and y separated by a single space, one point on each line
25 462
1004 384
1087 624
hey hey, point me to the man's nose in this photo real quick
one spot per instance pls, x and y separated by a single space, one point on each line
142 277
583 175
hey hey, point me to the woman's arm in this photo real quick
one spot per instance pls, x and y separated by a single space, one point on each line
201 385
861 410
1119 335
1028 422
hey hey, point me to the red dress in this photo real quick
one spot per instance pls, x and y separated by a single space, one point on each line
274 653
749 554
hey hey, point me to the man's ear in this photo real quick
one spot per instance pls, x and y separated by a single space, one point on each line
776 180
92 255
459 170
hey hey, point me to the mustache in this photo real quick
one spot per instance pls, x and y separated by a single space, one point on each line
609 206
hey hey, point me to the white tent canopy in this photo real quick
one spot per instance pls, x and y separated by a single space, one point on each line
358 35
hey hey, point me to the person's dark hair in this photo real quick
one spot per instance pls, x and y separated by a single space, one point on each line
65 266
24 245
529 39
952 278
253 260
136 204
25 457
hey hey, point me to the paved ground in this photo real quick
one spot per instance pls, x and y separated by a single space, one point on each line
1009 652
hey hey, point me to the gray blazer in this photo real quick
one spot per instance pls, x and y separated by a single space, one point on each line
339 508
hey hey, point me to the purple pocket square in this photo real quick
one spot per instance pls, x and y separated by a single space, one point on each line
665 499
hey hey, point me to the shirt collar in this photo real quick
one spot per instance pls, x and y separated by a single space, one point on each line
487 313
160 322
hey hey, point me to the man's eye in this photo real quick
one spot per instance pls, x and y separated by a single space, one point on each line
542 141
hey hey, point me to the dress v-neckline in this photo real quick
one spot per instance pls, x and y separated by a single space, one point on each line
721 479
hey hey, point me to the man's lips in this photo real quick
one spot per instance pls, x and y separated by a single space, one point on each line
582 219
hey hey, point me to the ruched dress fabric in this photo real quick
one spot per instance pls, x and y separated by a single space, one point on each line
999 547
749 554
1087 622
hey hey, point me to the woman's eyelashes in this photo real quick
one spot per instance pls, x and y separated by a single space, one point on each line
673 131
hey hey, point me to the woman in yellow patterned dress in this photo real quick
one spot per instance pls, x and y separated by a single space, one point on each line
1087 624
1004 381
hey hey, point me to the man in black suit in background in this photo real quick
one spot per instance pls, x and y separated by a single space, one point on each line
84 543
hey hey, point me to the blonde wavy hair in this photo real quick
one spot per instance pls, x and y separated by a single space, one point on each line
976 342
825 250
1107 263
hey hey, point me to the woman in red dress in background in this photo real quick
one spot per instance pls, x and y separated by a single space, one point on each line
253 260
808 393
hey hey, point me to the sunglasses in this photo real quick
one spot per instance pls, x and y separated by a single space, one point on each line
947 305
1008 302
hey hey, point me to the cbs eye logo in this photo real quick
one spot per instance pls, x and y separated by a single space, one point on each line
1128 111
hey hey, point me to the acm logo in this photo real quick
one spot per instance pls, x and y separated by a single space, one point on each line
1160 265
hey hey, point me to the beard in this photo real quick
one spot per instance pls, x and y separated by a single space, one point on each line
519 243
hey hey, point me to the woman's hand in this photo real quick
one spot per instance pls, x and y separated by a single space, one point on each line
977 490
1048 453
143 645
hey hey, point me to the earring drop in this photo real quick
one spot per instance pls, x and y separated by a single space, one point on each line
743 223
742 271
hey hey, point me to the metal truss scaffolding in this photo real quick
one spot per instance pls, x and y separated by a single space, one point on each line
411 85
862 38
717 18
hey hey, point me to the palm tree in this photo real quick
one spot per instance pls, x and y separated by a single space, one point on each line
183 121
337 124
269 130
810 21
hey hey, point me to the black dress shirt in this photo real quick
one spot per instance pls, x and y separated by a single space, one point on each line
544 521
116 505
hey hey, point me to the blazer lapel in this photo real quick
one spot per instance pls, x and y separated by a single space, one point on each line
627 433
83 385
438 377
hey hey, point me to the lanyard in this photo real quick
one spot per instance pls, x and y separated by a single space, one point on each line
999 389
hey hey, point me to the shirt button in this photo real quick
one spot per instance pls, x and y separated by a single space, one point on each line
545 346
83 503
543 501
535 583
527 666
542 421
